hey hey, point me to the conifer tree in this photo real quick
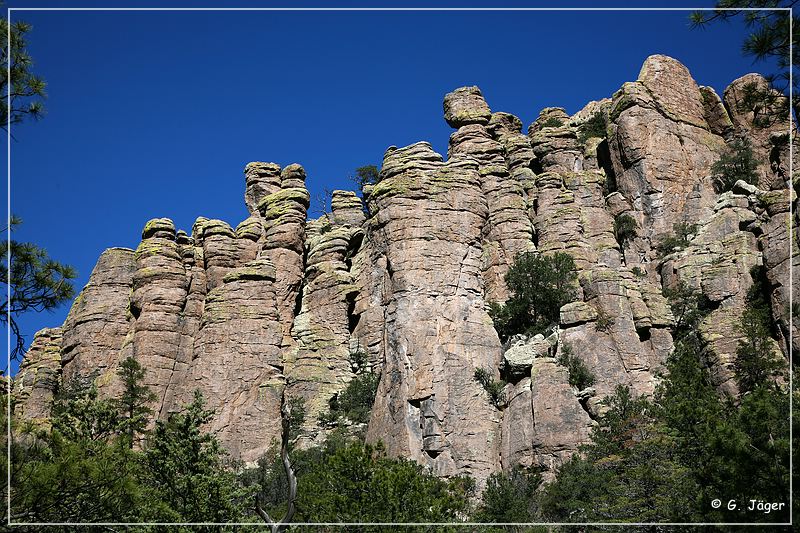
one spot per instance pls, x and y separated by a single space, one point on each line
133 403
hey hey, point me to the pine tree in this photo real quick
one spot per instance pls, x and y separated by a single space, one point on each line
539 285
186 471
769 41
37 283
25 90
510 497
133 403
736 162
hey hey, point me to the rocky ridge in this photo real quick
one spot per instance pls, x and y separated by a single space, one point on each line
280 305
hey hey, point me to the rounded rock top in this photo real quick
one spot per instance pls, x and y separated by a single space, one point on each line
466 106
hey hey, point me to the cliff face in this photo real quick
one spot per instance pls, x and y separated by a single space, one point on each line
280 304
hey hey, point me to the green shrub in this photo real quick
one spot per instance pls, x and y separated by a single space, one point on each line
539 286
638 272
603 322
357 482
359 361
366 175
595 126
677 241
552 122
757 363
579 374
689 307
492 386
624 228
510 497
355 402
297 408
736 162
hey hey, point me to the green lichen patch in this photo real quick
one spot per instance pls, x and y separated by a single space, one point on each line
278 203
394 186
158 225
155 246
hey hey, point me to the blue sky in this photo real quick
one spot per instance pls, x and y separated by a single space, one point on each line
153 114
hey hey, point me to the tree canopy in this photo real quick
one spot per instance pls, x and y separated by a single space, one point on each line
539 286
769 40
25 89
37 283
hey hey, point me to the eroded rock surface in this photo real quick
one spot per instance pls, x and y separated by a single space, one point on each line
427 225
279 307
39 376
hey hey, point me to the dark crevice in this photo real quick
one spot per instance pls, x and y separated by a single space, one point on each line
604 162
389 269
433 454
352 249
644 334
760 294
135 311
706 305
755 229
298 302
352 317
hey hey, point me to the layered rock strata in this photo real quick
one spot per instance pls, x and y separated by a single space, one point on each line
284 308
436 330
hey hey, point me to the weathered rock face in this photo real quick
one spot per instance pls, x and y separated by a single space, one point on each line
427 226
284 216
39 376
662 147
718 264
237 360
466 106
320 366
98 325
764 122
279 308
160 288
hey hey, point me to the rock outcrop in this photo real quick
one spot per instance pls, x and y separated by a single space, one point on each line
39 376
280 308
427 227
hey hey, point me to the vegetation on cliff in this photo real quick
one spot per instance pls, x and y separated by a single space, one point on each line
539 286
668 458
736 162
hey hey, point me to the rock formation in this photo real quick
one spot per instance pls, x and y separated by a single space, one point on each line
279 308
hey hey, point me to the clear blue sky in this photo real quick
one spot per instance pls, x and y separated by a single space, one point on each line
154 114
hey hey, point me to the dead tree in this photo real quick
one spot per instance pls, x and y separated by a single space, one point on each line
283 524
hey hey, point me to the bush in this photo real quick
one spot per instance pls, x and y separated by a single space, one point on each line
297 408
355 402
757 364
510 497
552 122
579 374
366 175
539 285
356 482
624 228
603 322
677 241
493 387
595 126
689 307
187 470
736 162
